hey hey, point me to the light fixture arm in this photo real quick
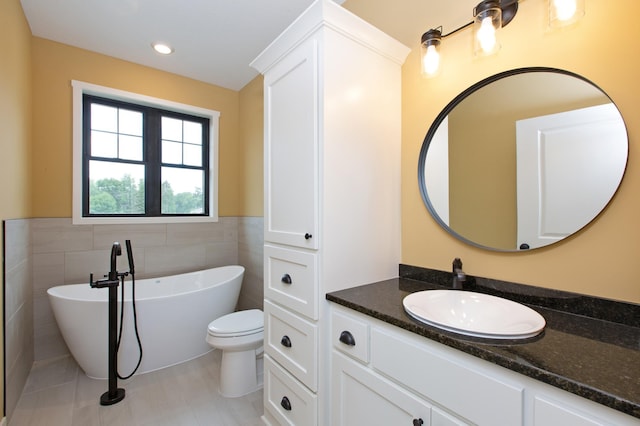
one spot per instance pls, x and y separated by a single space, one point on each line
468 24
509 9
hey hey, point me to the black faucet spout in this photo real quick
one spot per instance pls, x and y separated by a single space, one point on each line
458 274
116 251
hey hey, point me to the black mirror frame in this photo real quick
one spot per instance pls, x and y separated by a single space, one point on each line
445 112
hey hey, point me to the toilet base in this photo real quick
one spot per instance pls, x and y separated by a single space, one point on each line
240 373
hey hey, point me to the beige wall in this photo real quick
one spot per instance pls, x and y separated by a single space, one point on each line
55 65
600 260
15 122
15 111
251 142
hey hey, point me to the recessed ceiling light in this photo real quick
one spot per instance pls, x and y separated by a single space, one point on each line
162 48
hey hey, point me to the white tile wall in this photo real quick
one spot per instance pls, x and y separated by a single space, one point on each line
250 250
18 308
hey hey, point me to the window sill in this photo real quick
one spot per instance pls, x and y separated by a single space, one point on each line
141 220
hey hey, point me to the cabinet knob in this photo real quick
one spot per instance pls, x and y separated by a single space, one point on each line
285 403
307 236
417 422
285 341
347 338
286 278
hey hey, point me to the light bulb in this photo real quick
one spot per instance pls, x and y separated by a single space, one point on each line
162 48
565 9
431 61
486 35
565 12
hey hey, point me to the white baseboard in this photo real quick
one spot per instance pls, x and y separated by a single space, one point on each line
3 422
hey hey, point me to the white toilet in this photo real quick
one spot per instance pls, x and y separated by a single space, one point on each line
239 335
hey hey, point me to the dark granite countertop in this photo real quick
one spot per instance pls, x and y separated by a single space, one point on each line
590 346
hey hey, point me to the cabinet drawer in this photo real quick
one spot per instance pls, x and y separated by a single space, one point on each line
286 399
293 342
290 279
548 412
350 335
460 388
440 418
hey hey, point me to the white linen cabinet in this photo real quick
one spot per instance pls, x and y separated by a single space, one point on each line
332 192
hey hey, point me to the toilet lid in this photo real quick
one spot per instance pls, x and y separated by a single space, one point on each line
238 323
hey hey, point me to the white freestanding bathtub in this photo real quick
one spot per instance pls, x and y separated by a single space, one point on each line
173 313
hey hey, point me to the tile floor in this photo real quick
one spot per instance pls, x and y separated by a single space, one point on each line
58 393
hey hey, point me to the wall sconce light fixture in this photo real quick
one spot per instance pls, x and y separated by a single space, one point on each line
489 16
565 12
430 56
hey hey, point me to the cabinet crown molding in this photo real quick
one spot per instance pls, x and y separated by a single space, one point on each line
328 14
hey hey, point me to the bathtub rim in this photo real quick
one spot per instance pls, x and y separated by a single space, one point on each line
55 290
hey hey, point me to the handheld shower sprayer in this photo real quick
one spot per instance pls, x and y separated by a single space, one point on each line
132 269
132 272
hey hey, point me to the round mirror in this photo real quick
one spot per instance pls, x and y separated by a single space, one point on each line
523 159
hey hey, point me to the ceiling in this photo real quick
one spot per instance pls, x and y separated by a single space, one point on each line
215 40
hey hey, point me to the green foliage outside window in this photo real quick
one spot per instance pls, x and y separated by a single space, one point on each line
126 196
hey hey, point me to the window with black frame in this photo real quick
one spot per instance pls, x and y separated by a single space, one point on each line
141 161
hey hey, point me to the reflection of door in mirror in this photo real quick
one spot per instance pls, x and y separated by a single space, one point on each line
436 170
564 171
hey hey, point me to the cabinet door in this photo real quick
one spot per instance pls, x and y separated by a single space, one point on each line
360 397
291 148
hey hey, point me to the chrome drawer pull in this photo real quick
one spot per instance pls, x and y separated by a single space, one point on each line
347 338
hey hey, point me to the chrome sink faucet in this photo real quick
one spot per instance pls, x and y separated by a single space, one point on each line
458 274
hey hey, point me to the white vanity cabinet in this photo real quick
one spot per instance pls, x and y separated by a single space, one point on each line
385 375
332 191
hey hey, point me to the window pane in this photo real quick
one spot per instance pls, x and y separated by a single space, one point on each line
130 148
128 145
172 129
104 118
116 188
104 144
171 152
193 132
182 191
130 122
192 155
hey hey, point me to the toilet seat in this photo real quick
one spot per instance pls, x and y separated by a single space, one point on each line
235 324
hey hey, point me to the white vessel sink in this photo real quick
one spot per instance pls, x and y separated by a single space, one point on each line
474 314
